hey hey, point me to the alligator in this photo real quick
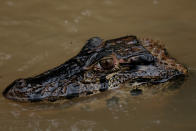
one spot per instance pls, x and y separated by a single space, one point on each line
100 66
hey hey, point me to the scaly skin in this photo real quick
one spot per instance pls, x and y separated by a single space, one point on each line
100 66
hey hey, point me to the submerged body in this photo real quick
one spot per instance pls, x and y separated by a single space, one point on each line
100 66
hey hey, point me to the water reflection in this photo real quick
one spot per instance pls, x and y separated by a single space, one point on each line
155 2
38 35
4 57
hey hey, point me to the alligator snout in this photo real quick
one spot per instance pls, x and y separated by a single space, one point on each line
16 90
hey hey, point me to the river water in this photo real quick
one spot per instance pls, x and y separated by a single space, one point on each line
36 35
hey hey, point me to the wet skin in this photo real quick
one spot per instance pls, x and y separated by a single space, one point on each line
100 66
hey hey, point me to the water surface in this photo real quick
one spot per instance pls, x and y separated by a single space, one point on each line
41 34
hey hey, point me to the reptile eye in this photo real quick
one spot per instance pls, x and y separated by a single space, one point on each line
107 63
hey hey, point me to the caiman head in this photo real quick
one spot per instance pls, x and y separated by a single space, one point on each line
100 66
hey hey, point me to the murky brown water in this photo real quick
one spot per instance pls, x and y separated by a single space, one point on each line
40 34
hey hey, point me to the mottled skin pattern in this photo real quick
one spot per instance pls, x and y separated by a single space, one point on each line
100 66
